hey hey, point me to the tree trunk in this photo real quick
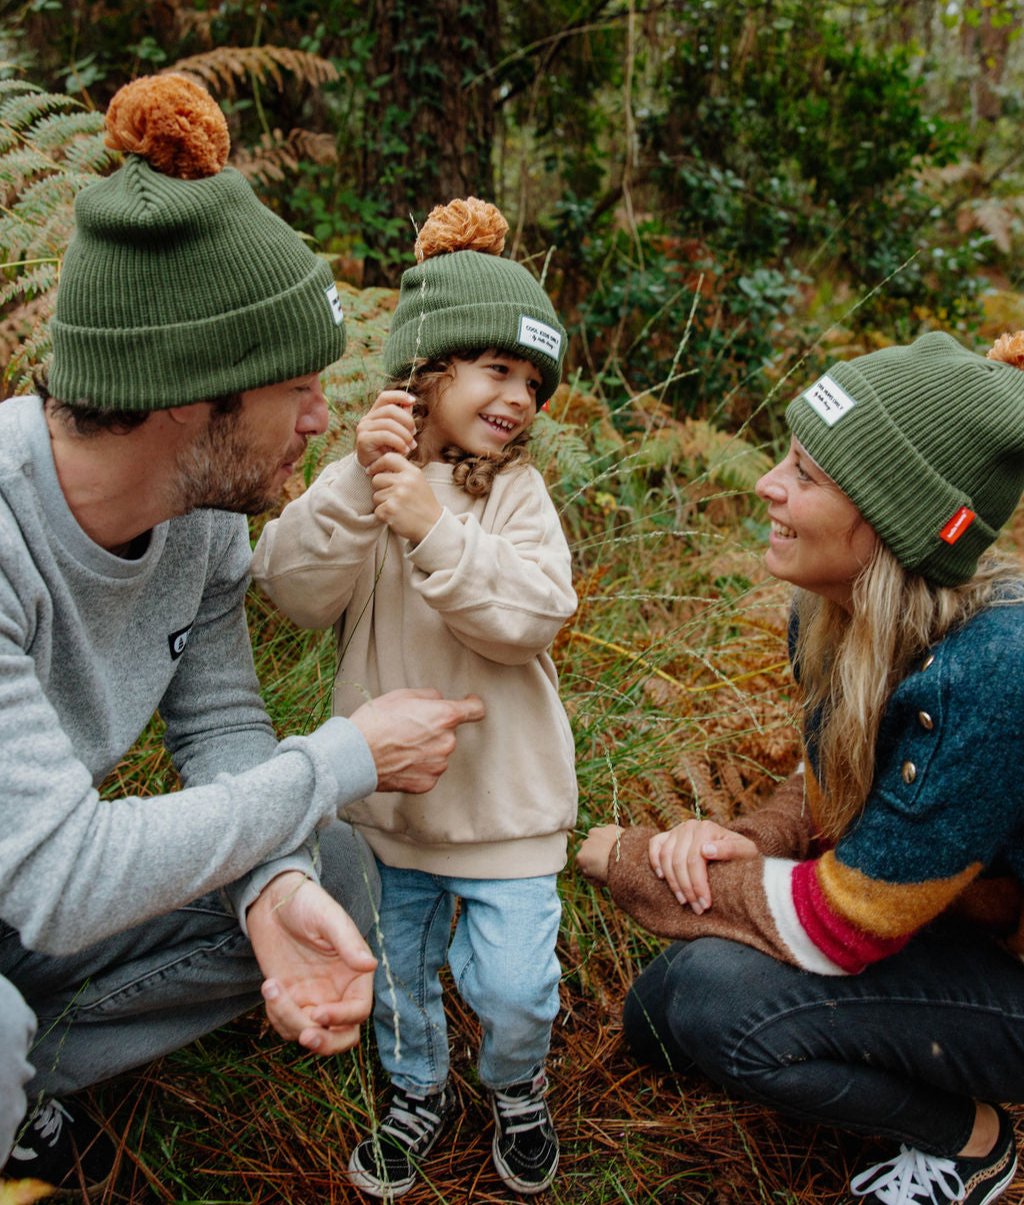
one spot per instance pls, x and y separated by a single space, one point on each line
429 120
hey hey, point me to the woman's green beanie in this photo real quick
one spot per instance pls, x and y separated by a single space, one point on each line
928 442
179 285
463 296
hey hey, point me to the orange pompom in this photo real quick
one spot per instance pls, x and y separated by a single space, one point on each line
469 225
1009 349
173 123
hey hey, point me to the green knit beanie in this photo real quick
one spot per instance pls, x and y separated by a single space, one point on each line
462 296
928 442
179 285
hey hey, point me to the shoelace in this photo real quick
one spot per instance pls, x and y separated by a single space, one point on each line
47 1122
408 1121
909 1177
521 1112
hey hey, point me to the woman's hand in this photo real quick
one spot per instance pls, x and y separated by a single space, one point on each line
387 426
681 855
594 854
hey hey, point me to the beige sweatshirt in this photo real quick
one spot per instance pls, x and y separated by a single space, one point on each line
471 609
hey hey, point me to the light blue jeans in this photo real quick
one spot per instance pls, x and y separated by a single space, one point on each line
141 993
503 963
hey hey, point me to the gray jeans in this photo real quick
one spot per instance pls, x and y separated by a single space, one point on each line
67 1022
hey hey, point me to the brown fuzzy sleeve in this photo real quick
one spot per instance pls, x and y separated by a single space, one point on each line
738 912
783 827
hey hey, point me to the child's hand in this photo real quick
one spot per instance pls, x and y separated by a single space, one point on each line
681 855
595 853
402 498
386 427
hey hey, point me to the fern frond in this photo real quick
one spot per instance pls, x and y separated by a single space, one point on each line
728 459
21 165
25 341
89 158
21 112
222 68
559 452
316 147
50 148
55 132
24 241
31 283
41 195
13 87
275 156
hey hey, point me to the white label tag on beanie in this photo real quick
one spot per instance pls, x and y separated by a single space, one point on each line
541 336
829 400
334 301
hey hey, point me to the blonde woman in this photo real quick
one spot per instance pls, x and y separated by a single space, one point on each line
851 953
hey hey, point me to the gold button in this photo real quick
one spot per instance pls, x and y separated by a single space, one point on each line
927 661
909 772
925 720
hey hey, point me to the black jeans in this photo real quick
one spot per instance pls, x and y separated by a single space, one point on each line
901 1050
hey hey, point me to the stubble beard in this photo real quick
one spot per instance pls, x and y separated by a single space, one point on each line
221 471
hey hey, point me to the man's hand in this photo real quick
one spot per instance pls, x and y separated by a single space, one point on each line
402 497
318 984
594 854
387 426
411 734
681 855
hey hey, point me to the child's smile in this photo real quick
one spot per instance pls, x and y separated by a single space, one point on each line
489 402
507 425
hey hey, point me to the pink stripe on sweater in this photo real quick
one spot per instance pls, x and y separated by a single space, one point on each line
849 947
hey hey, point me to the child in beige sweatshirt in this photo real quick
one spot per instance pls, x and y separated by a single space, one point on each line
437 555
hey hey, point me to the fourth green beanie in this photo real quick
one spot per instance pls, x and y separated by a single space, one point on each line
928 442
463 296
179 285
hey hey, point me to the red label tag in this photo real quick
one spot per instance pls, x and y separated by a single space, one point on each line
956 527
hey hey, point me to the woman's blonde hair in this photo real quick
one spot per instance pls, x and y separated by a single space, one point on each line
475 474
849 662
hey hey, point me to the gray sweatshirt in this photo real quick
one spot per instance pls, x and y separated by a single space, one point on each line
91 645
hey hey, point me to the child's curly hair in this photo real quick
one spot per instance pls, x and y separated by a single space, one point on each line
475 474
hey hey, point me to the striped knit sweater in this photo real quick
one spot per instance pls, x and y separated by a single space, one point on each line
942 828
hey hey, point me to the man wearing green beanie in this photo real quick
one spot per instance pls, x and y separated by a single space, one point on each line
191 328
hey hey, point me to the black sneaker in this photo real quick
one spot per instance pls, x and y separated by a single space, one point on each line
385 1165
61 1145
525 1147
913 1176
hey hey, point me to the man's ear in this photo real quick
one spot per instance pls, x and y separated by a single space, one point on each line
195 414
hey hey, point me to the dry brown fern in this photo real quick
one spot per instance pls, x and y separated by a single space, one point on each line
276 156
50 148
223 68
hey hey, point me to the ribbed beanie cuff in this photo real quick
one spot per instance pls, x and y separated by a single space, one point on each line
928 442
